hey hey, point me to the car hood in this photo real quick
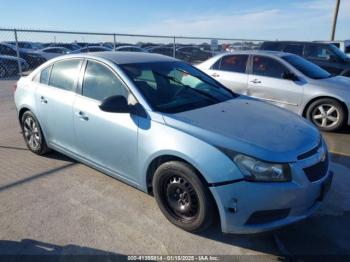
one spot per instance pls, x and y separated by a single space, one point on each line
250 127
341 82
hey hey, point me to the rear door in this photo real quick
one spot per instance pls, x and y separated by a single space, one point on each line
55 102
266 82
231 71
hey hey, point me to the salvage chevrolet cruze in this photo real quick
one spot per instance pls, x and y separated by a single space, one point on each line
167 128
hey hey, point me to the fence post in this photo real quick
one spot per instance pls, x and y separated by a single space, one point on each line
17 53
174 47
114 42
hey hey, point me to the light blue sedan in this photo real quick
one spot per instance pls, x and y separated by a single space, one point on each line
170 130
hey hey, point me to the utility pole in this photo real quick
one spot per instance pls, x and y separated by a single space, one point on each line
335 19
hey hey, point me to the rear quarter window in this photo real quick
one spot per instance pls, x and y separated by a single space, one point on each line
44 75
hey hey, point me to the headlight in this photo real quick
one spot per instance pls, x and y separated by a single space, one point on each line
257 170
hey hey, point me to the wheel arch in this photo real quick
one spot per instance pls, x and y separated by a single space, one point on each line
161 159
22 111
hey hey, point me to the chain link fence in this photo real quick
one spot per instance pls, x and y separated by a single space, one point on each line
23 50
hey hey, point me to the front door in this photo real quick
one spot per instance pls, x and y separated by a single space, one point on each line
266 82
108 140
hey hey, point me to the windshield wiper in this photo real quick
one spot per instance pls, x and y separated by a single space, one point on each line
213 98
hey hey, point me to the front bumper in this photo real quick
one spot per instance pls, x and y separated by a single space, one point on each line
253 207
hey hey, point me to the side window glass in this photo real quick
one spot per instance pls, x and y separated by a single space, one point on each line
9 51
216 66
270 46
265 66
234 63
45 75
318 52
294 49
64 74
100 82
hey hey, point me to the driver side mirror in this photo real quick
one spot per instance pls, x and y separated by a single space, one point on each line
290 76
115 104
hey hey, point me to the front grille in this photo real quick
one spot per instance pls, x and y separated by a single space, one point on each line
267 216
317 171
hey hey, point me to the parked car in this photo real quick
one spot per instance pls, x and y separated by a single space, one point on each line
162 50
89 49
165 127
286 80
325 55
9 66
168 51
130 48
33 58
70 46
344 45
26 44
193 54
51 52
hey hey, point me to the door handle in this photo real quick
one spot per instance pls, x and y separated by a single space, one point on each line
83 116
255 81
215 75
43 100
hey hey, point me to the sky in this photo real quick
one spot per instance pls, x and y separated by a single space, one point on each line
249 19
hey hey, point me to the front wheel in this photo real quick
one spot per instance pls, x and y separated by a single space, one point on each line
33 134
182 197
327 114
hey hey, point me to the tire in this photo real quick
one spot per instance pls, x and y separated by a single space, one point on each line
3 72
32 134
330 118
182 197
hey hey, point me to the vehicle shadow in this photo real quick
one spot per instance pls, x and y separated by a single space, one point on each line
33 250
58 156
52 154
345 130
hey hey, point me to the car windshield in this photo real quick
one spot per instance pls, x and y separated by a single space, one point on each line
307 68
338 52
173 87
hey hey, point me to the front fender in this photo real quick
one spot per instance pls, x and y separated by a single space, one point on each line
162 140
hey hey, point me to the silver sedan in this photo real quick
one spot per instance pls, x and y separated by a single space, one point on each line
288 81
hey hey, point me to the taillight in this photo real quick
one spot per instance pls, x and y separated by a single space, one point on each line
15 86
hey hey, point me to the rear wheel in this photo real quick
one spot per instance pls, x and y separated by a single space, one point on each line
327 114
182 197
32 134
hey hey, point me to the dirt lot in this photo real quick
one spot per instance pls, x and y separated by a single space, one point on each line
53 205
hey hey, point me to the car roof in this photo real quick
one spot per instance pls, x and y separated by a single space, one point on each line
128 46
125 57
55 47
296 42
256 52
7 44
